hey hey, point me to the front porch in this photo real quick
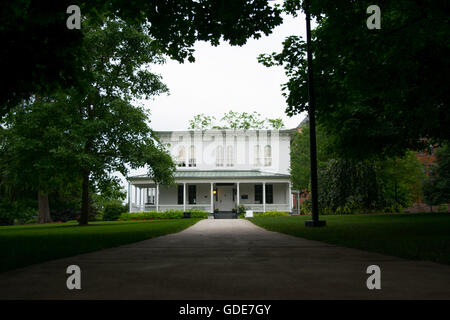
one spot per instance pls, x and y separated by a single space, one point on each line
212 196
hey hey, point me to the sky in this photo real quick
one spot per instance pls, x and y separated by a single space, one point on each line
225 78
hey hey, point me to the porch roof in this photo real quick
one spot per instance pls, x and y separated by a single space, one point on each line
217 174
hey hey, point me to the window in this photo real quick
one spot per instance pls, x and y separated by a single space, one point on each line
269 193
258 193
230 156
219 156
181 159
256 154
192 194
267 156
180 194
192 161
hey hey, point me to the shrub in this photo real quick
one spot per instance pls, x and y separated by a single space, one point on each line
168 214
113 211
15 213
442 207
272 214
196 213
64 214
241 209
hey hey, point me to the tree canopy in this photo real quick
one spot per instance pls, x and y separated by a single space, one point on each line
94 130
39 54
235 120
378 92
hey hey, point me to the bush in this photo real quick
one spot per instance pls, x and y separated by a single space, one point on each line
241 210
442 207
196 213
271 214
168 214
113 211
15 213
64 214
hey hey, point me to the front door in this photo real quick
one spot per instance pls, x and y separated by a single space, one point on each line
225 198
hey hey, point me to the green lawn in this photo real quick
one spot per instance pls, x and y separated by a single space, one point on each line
29 244
413 236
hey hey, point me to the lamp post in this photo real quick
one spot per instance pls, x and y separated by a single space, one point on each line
315 222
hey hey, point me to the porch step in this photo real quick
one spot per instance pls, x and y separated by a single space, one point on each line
225 215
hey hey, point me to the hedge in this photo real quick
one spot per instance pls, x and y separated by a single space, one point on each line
168 214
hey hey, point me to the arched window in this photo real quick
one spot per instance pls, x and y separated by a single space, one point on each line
256 156
219 156
192 159
230 161
181 158
267 156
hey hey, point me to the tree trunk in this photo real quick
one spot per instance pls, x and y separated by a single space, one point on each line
44 208
84 217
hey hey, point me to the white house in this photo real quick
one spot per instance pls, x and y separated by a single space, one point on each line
218 170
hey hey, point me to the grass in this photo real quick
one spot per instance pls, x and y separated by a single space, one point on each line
29 244
424 236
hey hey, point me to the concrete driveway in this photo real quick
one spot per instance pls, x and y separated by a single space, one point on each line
228 259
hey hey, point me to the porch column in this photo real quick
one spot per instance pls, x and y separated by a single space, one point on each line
237 191
212 198
157 197
135 196
184 196
290 197
129 196
264 197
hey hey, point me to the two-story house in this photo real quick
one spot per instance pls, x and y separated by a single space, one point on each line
218 170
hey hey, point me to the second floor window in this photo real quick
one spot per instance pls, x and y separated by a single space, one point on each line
267 156
230 156
219 156
256 156
192 161
181 159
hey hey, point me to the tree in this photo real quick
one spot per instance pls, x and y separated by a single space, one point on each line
36 152
373 87
40 55
103 132
201 122
401 179
235 120
300 164
437 186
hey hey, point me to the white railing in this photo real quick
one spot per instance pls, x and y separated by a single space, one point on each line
256 207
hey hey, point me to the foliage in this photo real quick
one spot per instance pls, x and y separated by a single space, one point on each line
347 186
15 213
437 186
355 69
300 163
168 214
401 179
201 122
235 120
85 134
201 214
241 209
271 214
40 55
113 210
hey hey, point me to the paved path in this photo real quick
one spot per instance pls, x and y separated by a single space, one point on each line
229 259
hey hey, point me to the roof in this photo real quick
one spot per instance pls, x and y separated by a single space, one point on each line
209 174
